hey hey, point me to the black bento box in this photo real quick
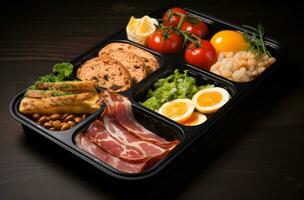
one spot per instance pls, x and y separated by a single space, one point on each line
150 119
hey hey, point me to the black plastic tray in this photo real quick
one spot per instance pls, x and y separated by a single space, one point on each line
150 119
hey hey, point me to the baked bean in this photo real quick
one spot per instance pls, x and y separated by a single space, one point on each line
55 116
71 123
69 117
57 124
77 119
64 116
48 124
42 119
36 116
65 126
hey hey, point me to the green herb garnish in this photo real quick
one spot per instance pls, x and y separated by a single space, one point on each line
255 40
61 72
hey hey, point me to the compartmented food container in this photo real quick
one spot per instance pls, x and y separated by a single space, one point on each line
72 131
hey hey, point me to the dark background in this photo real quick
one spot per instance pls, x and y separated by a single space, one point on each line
258 153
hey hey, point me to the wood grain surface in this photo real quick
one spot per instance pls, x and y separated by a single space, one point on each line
256 153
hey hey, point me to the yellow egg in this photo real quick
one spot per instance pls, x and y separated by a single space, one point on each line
228 40
195 119
178 110
132 24
210 100
138 29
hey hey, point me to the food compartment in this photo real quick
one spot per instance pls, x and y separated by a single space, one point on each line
58 105
57 121
244 53
184 104
128 148
54 123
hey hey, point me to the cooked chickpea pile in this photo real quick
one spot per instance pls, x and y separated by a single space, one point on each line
58 122
242 66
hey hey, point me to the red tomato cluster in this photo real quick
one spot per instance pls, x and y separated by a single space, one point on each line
200 52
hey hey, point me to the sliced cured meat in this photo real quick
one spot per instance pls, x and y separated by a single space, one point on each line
120 108
128 139
119 140
98 134
83 142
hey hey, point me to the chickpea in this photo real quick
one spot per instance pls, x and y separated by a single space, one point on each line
221 56
226 73
229 54
261 69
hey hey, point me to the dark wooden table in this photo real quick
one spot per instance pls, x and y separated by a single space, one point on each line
258 153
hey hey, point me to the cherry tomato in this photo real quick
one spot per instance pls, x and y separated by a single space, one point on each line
171 19
196 27
165 41
203 56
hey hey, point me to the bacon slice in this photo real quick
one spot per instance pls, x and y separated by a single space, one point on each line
126 138
120 108
83 142
98 134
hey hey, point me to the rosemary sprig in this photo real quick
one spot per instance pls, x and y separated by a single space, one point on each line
255 40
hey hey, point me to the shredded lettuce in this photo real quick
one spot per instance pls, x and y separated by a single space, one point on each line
175 86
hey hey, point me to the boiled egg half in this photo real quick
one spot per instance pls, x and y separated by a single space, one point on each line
210 100
178 110
195 119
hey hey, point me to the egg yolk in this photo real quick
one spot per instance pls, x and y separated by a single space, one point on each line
209 99
193 119
144 27
228 40
132 23
175 109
